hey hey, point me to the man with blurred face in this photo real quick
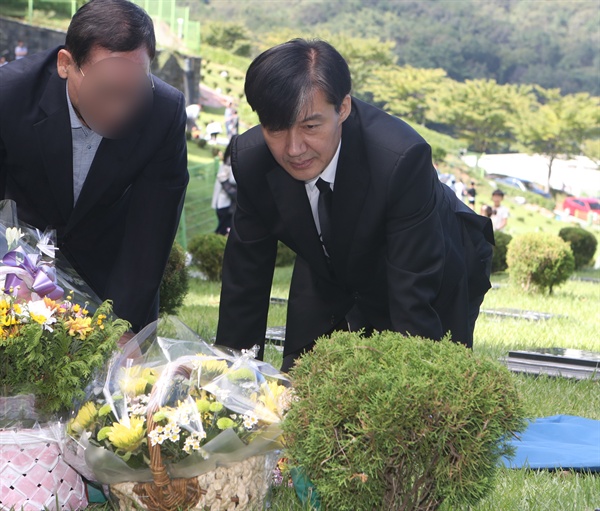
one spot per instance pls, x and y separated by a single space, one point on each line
381 244
93 146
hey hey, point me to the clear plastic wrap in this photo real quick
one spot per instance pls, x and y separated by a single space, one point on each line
204 405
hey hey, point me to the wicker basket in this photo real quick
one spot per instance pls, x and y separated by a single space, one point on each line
240 486
34 476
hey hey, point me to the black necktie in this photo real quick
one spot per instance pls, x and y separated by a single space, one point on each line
324 210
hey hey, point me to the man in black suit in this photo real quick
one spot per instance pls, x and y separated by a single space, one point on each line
381 244
92 145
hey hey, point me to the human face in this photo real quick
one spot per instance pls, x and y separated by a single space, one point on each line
109 89
307 147
497 200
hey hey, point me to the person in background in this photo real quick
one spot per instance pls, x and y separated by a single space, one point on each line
93 146
233 124
213 129
471 194
20 50
3 61
500 213
192 113
459 189
381 243
224 193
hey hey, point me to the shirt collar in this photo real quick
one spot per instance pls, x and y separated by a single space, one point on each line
328 174
75 122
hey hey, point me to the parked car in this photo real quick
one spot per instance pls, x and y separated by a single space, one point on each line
581 207
521 184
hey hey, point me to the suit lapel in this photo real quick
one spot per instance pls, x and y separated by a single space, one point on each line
294 208
108 163
350 191
54 136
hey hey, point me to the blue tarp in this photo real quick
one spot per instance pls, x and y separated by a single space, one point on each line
562 442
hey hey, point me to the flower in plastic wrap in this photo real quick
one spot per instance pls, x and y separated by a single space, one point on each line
202 404
50 345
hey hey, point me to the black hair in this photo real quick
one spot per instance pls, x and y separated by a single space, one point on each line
280 82
498 192
116 25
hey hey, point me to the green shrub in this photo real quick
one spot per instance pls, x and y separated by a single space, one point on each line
175 283
392 422
207 253
583 244
538 261
499 258
285 255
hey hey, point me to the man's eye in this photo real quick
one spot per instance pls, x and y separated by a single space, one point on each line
311 126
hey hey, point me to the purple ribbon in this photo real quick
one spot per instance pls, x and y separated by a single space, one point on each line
26 274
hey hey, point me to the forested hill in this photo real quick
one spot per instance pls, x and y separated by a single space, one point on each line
553 43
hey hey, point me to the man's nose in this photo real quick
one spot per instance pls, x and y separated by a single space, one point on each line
295 144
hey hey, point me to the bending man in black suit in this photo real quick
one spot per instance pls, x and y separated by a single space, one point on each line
381 244
93 145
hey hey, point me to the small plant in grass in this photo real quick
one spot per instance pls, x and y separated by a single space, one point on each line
207 253
175 283
539 261
400 423
583 244
501 246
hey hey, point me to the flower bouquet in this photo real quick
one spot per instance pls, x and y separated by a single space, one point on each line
190 426
50 346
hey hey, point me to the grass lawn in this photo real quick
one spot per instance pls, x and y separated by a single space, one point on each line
575 325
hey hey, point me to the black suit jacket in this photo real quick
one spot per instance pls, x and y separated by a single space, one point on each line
405 250
119 235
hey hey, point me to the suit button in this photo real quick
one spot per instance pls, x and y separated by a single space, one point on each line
356 295
332 320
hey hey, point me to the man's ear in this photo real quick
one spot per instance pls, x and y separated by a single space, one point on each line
345 108
63 61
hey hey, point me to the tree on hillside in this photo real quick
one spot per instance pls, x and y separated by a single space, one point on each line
364 56
480 111
405 91
558 126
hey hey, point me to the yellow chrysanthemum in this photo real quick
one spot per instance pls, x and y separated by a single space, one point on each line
86 416
127 438
79 326
133 380
273 397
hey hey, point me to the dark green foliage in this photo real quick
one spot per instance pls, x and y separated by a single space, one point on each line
399 423
175 283
583 244
54 365
207 253
538 261
499 259
285 255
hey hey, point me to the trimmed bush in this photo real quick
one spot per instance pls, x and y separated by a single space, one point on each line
285 255
583 244
499 258
538 261
399 423
175 283
207 253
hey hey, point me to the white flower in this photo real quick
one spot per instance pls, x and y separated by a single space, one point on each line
13 235
250 421
39 312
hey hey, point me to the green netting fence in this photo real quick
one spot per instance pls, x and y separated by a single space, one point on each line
198 217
